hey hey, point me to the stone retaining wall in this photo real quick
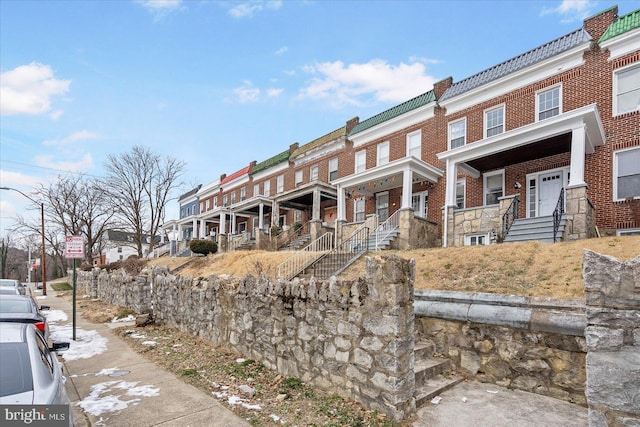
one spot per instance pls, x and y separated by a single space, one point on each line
613 340
117 289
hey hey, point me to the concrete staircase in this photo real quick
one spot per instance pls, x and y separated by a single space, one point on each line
246 246
297 243
538 228
432 374
385 239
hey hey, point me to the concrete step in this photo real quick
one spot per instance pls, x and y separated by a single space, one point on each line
434 387
424 349
428 368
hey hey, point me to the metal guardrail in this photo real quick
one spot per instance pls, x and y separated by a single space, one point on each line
306 256
510 216
334 262
292 234
383 230
558 212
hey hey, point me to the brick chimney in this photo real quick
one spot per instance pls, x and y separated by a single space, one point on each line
352 123
598 24
440 87
293 147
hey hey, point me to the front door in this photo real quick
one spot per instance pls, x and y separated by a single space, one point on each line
550 186
382 206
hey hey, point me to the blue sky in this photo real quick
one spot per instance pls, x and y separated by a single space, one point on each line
218 84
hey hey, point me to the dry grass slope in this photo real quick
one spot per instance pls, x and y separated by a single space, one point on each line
527 269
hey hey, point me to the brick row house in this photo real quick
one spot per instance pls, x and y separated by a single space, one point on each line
544 146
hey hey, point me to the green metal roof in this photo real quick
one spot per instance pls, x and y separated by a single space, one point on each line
629 22
278 158
398 110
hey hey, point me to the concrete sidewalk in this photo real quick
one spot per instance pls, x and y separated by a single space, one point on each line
118 387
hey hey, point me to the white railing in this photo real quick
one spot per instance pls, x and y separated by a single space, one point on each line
233 242
304 257
386 228
159 251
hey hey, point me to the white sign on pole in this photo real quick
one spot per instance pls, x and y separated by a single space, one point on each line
74 247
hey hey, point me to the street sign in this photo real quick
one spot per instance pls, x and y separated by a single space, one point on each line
74 247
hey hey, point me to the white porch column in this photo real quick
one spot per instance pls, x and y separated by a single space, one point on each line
194 226
223 223
407 181
342 215
315 210
233 223
452 178
202 229
576 176
261 216
180 235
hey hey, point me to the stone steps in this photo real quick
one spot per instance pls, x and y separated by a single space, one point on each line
432 376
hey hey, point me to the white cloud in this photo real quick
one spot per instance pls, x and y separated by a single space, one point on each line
247 93
274 92
250 8
282 50
83 135
28 89
571 10
342 84
80 165
161 8
16 179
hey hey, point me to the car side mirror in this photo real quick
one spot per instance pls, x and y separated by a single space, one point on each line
45 307
59 346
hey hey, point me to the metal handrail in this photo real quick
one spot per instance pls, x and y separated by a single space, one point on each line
558 212
291 235
383 230
510 216
334 262
297 263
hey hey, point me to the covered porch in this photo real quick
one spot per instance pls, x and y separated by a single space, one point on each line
534 171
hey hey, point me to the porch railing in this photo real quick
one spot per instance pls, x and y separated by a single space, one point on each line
558 212
293 233
347 252
510 216
382 231
302 259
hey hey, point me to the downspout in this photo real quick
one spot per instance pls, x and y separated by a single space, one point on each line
445 230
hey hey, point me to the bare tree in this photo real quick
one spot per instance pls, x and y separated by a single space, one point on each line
5 242
140 183
77 205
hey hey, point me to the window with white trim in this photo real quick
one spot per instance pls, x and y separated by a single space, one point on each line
256 190
266 188
626 90
233 197
548 103
358 209
414 144
313 173
224 200
628 232
361 161
494 121
383 153
333 169
493 187
215 202
299 176
420 204
201 206
280 184
457 133
461 185
208 203
476 239
626 171
243 193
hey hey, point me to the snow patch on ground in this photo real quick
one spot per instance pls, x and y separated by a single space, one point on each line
114 396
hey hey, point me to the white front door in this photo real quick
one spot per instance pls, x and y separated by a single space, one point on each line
382 206
550 186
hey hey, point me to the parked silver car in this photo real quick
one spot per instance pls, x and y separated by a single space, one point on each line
13 284
24 309
30 373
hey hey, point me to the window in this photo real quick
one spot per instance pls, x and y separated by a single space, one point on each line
280 184
358 209
313 173
201 206
493 187
476 239
361 161
460 193
383 153
494 121
333 169
233 197
548 103
414 141
299 177
243 193
208 203
256 190
626 169
628 232
297 216
457 134
119 249
224 200
626 89
267 188
215 202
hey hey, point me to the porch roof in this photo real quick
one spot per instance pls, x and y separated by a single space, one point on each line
551 129
388 176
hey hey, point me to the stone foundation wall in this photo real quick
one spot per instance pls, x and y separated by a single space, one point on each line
117 289
613 340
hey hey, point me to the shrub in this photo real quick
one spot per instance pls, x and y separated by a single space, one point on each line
134 265
203 246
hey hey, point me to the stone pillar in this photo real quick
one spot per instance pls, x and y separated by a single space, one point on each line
612 291
222 243
315 211
580 214
275 213
405 221
315 229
